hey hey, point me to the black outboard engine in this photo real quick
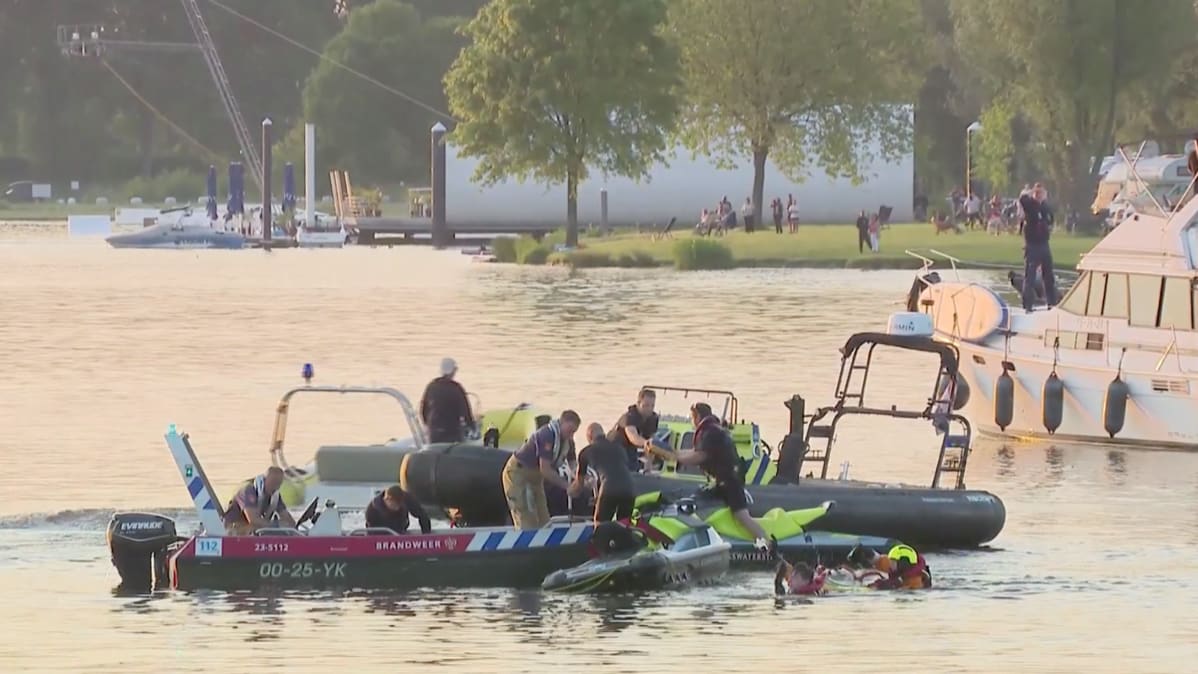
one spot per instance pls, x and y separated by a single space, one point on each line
140 544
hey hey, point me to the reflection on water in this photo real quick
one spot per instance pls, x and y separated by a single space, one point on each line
103 348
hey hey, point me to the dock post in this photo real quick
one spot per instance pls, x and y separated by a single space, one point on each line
603 211
266 171
309 175
440 231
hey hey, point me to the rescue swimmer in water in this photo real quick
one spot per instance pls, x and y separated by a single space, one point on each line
902 568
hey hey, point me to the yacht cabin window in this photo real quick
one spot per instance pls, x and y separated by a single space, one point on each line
1145 294
1145 300
1114 303
1176 304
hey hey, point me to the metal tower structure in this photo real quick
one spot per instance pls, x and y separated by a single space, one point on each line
93 42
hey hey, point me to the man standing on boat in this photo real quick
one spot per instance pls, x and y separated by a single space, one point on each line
256 503
534 464
444 408
606 460
1037 254
715 454
636 427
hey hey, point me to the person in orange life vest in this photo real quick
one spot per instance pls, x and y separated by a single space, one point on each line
904 567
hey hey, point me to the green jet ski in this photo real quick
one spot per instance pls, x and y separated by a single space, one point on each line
663 519
630 561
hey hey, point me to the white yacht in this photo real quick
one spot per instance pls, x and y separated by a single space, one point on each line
1116 360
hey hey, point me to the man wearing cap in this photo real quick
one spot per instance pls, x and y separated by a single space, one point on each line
444 408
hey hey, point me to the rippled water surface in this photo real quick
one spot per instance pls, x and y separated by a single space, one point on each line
100 349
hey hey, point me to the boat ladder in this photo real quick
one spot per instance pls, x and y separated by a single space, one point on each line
954 451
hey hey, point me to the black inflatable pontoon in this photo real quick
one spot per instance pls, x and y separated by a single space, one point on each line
467 478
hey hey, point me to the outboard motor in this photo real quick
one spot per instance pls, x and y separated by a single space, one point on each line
139 543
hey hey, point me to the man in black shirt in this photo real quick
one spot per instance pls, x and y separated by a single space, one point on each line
444 408
391 509
715 454
636 427
608 463
862 232
1037 255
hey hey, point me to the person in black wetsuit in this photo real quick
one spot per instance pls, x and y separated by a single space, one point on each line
444 408
607 461
391 509
715 454
635 428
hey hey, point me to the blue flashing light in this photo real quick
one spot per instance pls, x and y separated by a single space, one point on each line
171 430
308 372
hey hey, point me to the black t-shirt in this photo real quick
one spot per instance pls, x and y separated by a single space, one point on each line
608 461
646 426
1035 220
444 408
721 457
379 515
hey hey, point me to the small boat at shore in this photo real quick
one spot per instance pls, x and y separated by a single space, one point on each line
178 235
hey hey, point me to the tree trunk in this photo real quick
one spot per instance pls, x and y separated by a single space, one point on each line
572 207
759 156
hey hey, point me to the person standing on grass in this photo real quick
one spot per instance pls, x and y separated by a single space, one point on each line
776 205
747 213
875 227
862 232
792 214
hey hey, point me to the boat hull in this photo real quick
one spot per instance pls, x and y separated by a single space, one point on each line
467 479
178 237
453 558
643 572
1155 398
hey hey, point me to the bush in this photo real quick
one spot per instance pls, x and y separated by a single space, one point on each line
504 249
181 184
530 251
695 253
636 260
583 259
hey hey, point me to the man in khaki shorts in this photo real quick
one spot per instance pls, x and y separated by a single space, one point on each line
534 464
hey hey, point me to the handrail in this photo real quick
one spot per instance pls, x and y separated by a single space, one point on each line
366 531
278 458
731 405
278 531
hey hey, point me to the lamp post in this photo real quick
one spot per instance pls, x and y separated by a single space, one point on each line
969 131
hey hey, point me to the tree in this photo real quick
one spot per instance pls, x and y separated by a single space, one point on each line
804 81
363 127
549 90
994 148
1075 90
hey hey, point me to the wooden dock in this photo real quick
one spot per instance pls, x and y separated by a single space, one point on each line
378 230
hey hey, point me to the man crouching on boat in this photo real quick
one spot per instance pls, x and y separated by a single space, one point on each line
534 464
393 509
715 454
256 503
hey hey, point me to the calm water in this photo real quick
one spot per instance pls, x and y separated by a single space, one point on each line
101 349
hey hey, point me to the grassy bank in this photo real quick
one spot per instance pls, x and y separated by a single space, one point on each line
812 246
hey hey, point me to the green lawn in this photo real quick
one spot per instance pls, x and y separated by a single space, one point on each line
836 246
